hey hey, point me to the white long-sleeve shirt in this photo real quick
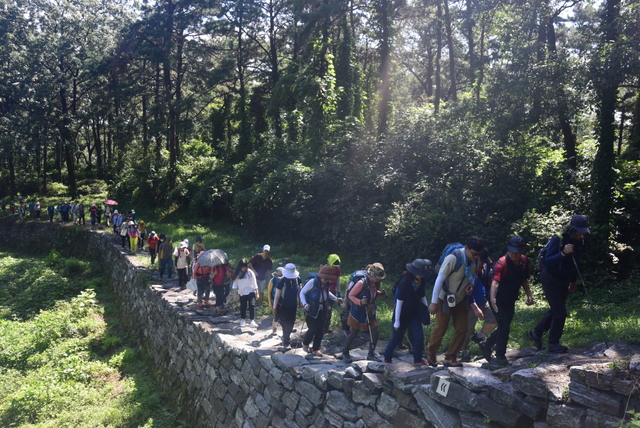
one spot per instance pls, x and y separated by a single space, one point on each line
247 284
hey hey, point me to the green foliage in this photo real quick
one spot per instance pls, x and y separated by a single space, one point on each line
50 375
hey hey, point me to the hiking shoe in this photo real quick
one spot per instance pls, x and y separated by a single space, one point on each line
477 339
486 351
306 349
452 363
241 323
431 360
500 362
346 357
558 348
206 303
253 324
388 361
536 340
464 356
317 353
423 363
199 304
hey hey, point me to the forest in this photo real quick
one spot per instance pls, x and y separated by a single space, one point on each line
380 128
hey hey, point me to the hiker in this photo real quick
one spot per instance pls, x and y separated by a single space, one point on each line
245 286
142 234
165 252
511 271
449 299
81 214
478 308
116 220
132 232
124 229
362 316
333 261
93 214
98 214
51 212
37 210
262 265
202 275
181 263
12 209
198 247
74 211
314 297
32 209
152 242
107 214
287 301
221 276
558 278
411 303
271 286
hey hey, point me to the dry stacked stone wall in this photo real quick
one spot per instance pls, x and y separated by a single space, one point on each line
221 379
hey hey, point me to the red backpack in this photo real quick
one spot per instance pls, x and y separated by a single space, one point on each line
203 271
220 274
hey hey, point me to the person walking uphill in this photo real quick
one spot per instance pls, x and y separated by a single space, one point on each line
558 278
410 294
449 299
362 312
165 253
286 301
262 265
245 286
333 261
314 297
181 262
202 275
511 271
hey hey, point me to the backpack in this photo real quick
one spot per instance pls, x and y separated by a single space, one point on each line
542 254
503 261
310 276
355 277
456 249
220 275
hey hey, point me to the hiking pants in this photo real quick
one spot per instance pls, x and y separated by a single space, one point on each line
416 336
221 296
250 301
152 253
182 277
556 292
315 331
500 336
168 263
286 318
459 314
204 288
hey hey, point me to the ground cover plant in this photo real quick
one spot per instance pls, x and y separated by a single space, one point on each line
63 359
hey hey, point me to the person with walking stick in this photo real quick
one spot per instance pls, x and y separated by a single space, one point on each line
558 278
362 312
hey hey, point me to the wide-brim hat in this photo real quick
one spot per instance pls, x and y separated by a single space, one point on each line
420 267
290 271
376 271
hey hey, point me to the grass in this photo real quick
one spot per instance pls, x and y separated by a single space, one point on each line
67 363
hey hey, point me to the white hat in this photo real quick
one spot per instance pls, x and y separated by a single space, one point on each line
267 248
183 245
290 271
115 211
131 223
133 211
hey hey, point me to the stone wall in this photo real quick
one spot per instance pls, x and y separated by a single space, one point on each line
220 379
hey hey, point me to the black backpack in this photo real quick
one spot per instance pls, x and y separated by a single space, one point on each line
542 254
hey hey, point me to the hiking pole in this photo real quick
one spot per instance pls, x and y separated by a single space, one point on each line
586 293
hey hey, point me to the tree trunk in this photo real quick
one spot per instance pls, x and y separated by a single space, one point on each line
453 91
436 101
385 63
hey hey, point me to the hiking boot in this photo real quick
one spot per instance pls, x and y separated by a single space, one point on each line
558 348
452 363
431 360
486 351
500 362
464 356
536 340
477 339
346 357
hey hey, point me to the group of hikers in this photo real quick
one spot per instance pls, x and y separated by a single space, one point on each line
468 286
63 212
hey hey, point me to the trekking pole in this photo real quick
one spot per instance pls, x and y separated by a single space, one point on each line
586 293
368 325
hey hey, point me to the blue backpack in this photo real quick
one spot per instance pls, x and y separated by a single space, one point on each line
456 250
355 277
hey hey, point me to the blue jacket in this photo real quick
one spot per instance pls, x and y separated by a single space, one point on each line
559 266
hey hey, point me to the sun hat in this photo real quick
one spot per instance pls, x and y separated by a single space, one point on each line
183 245
290 271
266 248
376 270
152 234
580 223
515 244
420 267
